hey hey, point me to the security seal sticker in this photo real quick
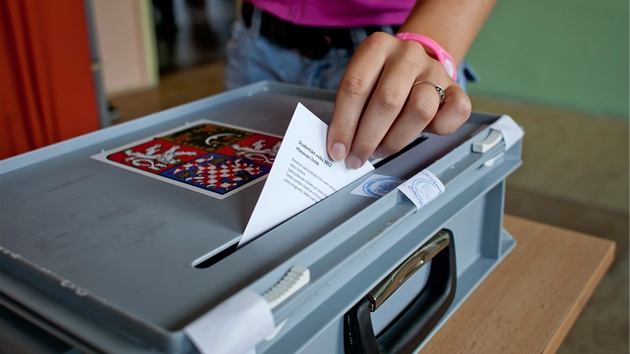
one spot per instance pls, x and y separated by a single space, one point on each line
422 188
511 131
377 186
236 325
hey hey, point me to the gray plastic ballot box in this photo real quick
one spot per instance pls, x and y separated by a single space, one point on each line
98 257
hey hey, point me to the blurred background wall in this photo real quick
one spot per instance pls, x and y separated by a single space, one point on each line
565 53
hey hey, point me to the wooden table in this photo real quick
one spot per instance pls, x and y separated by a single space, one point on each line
531 300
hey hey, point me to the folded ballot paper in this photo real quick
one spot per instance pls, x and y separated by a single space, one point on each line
302 174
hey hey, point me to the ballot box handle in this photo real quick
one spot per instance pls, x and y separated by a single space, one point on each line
415 322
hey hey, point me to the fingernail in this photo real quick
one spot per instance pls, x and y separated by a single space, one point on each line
338 151
353 162
378 154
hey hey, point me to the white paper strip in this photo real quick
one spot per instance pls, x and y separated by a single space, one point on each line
236 325
511 131
422 188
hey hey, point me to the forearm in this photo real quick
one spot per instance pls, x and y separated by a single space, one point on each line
454 24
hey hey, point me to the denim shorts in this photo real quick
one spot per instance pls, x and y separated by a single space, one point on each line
252 58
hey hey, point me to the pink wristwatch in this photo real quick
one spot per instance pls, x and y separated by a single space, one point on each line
440 54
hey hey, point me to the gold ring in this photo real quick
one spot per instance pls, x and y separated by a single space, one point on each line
438 88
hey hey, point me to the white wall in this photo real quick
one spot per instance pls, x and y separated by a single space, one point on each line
126 42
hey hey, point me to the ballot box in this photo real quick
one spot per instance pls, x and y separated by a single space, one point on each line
125 240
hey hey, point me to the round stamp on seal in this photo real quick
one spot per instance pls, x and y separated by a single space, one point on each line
378 185
423 188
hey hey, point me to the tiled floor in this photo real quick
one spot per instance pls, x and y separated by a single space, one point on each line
574 175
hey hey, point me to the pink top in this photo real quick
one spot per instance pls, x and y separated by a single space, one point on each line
338 13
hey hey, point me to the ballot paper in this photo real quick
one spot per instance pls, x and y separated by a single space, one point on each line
302 175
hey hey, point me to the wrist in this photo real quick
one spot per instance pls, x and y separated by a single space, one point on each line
434 50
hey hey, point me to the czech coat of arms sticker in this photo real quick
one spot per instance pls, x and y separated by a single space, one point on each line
204 156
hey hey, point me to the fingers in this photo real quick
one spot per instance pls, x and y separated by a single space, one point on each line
421 107
424 113
379 110
371 95
453 113
384 106
353 93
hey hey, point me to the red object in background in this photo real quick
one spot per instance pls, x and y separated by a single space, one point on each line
47 89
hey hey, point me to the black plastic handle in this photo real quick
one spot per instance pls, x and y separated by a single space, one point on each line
412 325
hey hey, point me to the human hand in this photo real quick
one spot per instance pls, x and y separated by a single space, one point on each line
379 109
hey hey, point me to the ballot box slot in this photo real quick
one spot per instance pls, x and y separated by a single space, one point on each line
419 140
208 262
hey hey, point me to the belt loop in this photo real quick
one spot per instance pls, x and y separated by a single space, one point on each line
387 29
358 35
256 21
